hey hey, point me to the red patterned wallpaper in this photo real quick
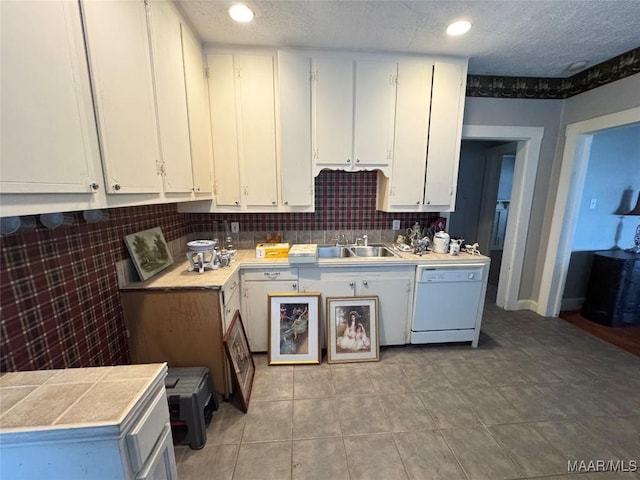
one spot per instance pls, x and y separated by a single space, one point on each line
59 300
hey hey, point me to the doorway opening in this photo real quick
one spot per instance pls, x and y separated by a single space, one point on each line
527 145
485 179
575 160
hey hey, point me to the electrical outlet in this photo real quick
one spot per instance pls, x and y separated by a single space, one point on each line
396 225
235 227
592 203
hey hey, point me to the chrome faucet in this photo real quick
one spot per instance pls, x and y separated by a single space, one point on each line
365 239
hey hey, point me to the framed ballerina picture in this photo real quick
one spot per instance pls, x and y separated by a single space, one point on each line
294 328
352 329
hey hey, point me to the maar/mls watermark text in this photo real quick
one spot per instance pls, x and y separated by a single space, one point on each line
587 466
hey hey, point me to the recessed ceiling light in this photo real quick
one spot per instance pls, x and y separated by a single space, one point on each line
240 13
458 28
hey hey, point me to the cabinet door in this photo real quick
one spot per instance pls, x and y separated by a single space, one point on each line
411 132
257 132
171 98
255 309
294 85
49 143
222 98
394 292
445 130
333 111
374 114
121 73
198 111
161 464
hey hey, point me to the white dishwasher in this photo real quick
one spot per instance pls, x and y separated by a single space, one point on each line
448 303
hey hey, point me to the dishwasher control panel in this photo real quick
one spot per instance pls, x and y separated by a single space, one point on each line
449 274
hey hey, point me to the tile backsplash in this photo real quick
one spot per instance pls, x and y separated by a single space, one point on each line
59 299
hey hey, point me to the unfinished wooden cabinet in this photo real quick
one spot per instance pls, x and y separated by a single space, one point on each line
182 327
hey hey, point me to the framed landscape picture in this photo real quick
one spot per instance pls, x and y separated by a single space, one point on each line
352 329
149 252
294 328
243 368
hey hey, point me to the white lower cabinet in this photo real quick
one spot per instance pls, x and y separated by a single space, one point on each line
392 285
135 443
256 285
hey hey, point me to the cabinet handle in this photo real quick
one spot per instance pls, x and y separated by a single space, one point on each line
295 286
94 186
233 287
228 310
351 284
286 202
365 283
358 160
271 275
237 202
273 202
428 202
116 186
418 202
348 160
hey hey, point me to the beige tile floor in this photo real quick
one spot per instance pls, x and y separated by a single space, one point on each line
536 394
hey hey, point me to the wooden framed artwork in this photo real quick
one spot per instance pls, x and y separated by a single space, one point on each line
149 252
243 368
352 329
294 328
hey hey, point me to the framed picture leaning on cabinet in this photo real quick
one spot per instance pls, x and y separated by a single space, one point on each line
294 328
243 368
352 329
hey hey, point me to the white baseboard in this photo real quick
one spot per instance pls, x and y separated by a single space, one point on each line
527 305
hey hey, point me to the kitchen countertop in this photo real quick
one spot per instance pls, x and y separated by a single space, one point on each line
55 400
177 275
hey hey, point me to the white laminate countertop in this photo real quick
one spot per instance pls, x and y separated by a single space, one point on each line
74 397
177 276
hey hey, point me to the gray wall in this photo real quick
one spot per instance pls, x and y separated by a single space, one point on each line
525 113
614 165
553 116
613 97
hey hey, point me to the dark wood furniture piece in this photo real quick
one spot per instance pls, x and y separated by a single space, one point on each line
613 294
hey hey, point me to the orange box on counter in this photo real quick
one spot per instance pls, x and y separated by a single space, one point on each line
272 250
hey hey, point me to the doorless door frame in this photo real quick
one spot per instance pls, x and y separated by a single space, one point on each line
575 160
526 166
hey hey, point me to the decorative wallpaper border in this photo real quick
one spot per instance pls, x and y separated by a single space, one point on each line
608 71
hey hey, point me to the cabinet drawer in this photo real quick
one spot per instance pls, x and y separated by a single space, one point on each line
270 274
144 435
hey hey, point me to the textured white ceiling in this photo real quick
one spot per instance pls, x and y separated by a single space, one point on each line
509 37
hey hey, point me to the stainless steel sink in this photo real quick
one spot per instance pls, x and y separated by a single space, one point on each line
354 251
372 251
334 252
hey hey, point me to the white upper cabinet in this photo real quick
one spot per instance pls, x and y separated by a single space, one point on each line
429 111
294 81
171 99
256 108
332 111
242 99
445 130
374 113
224 132
405 187
49 143
120 62
198 112
353 112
